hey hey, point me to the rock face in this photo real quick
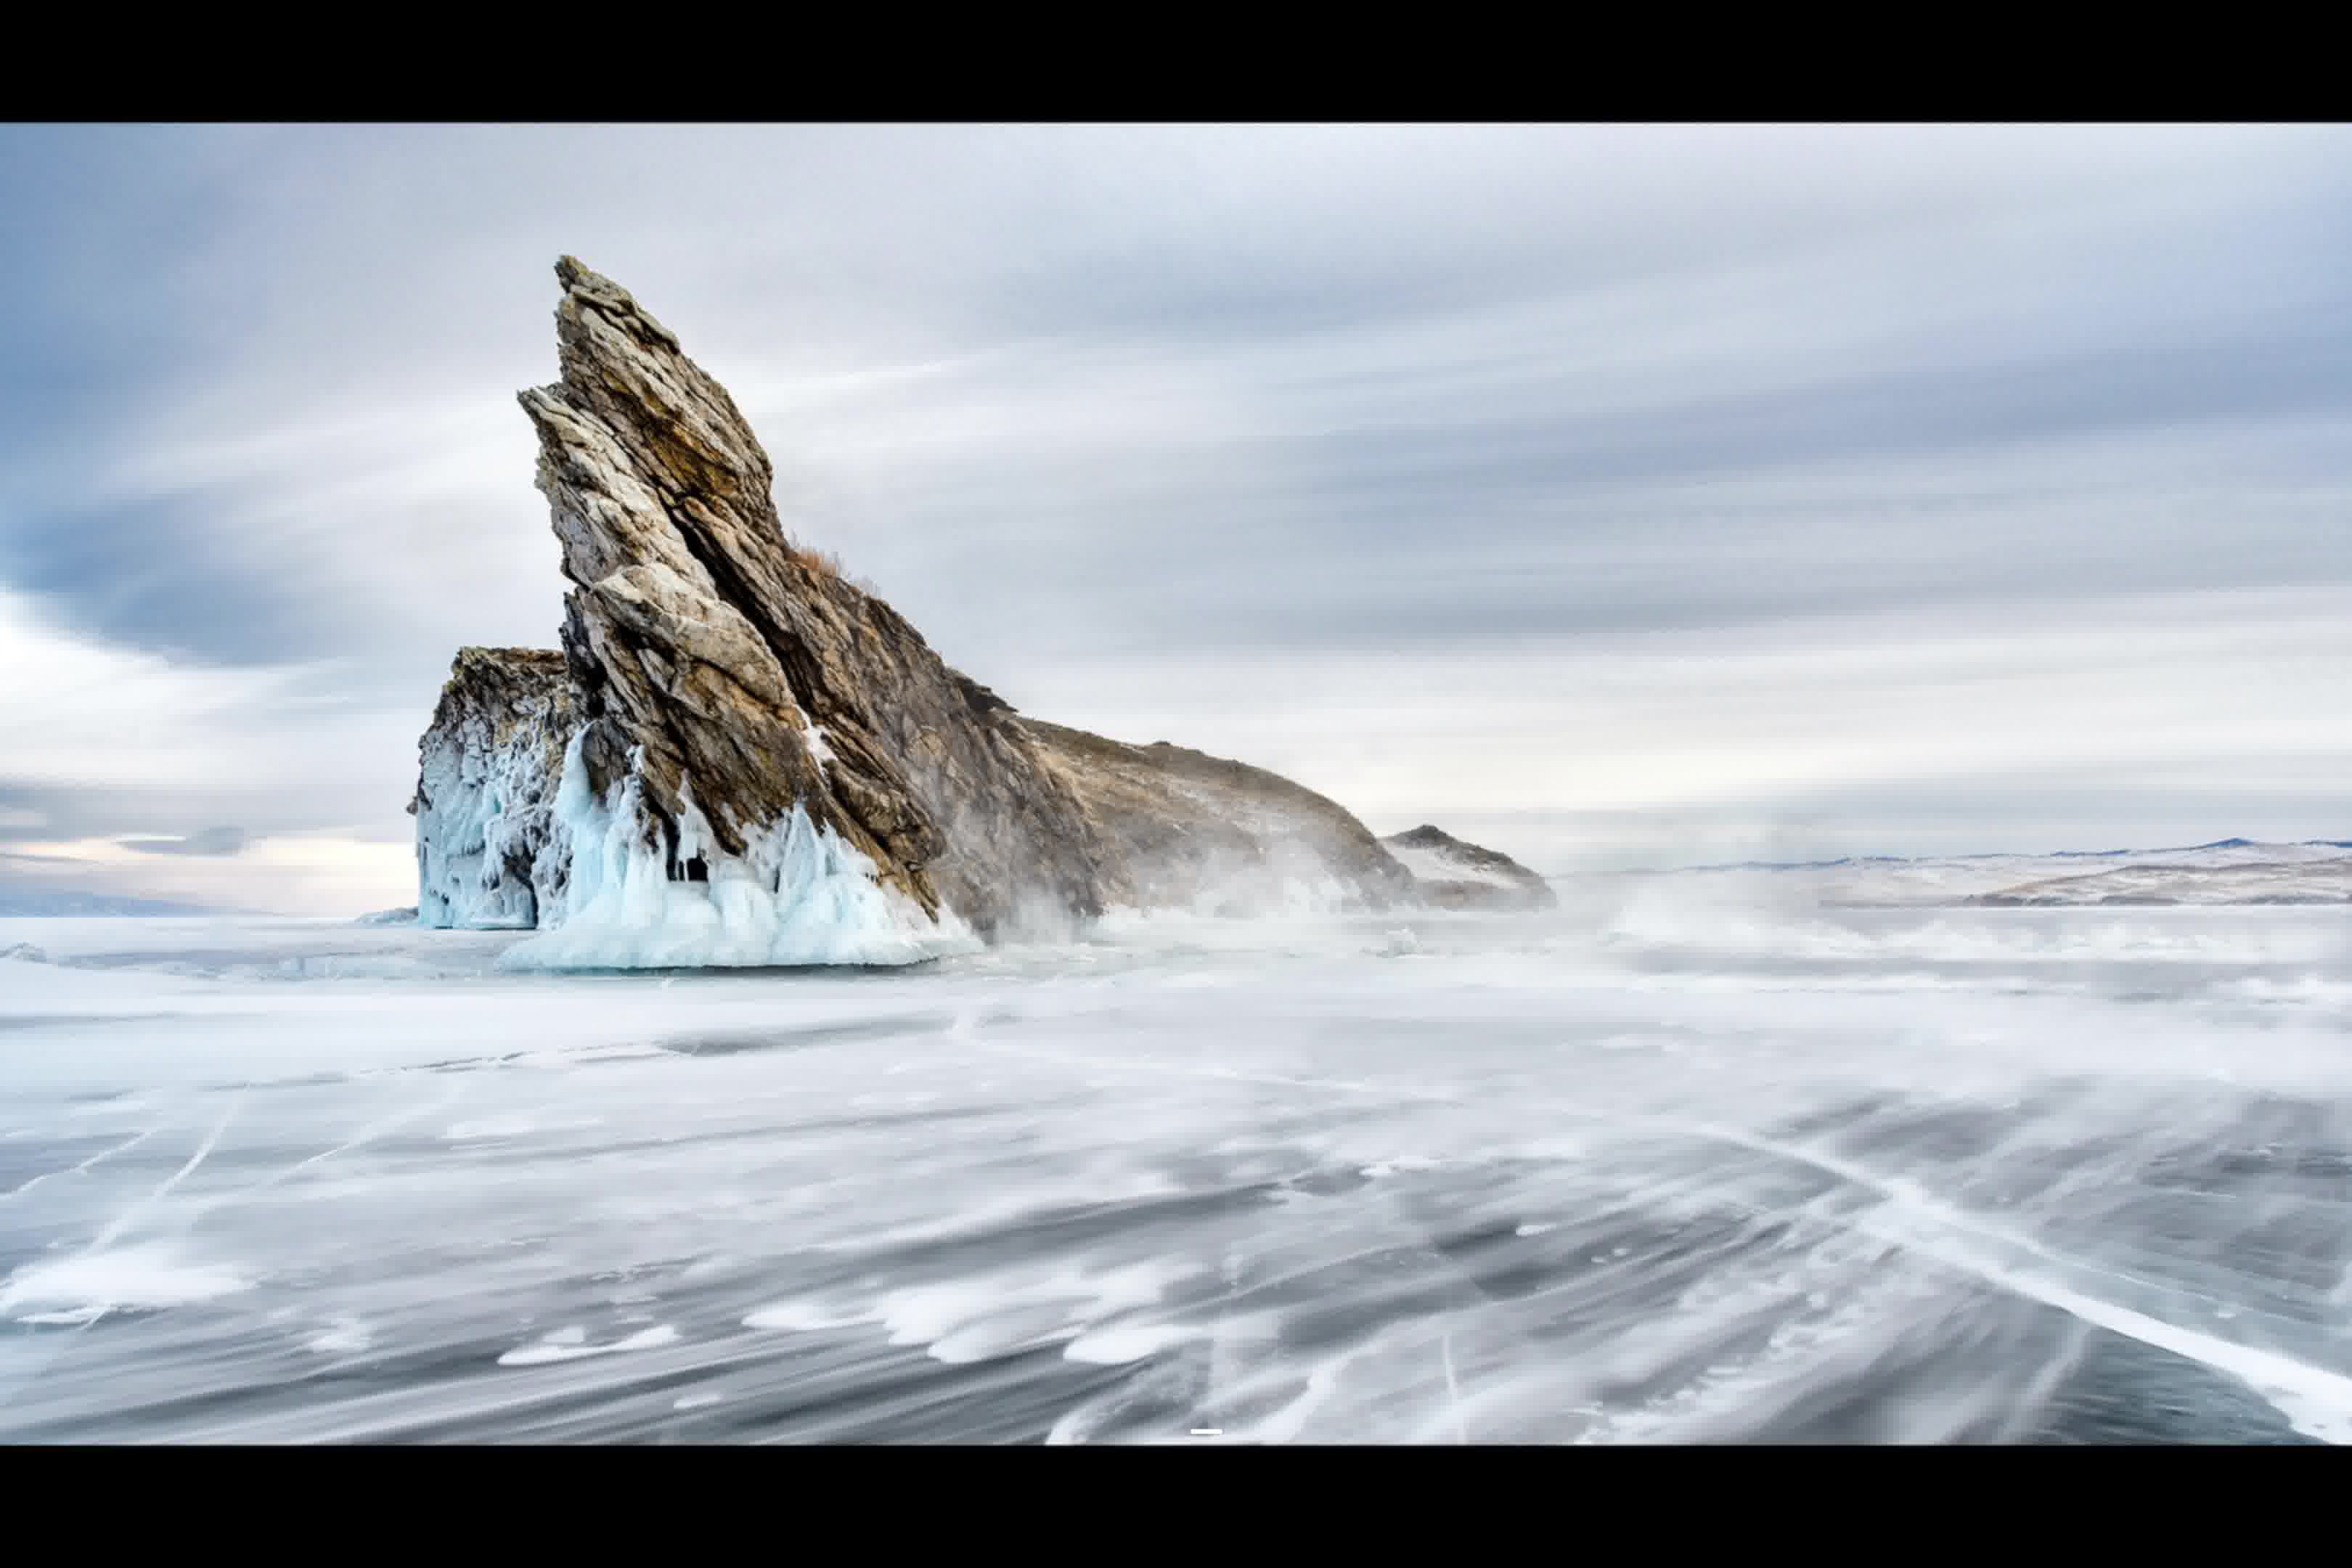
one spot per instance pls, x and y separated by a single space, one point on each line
489 851
1455 874
738 684
740 758
1178 828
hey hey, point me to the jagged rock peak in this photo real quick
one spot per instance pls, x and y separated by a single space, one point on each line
584 283
678 424
659 494
739 680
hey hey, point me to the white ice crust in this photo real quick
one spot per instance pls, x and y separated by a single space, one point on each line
482 803
798 895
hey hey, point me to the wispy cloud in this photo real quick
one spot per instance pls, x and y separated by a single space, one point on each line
211 841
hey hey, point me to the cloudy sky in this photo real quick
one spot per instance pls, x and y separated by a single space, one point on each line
1612 495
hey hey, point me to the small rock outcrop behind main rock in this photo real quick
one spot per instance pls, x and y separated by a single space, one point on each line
489 850
1459 876
738 758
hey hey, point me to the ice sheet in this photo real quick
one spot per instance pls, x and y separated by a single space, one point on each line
1671 1164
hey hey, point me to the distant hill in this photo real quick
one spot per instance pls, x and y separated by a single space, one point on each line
21 903
2221 871
1845 860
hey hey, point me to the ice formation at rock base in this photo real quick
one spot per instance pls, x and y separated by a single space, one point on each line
797 896
489 850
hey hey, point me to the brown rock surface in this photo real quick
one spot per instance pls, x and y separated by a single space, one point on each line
697 632
1182 829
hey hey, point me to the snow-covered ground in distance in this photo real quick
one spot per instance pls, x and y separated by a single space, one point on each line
2229 871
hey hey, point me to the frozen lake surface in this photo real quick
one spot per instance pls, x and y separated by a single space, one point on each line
1688 1160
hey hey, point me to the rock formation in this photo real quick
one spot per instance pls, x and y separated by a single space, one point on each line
489 851
740 758
1177 828
1458 875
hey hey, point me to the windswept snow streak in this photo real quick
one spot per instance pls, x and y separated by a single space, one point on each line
1633 1170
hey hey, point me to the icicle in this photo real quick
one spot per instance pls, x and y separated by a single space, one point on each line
798 895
